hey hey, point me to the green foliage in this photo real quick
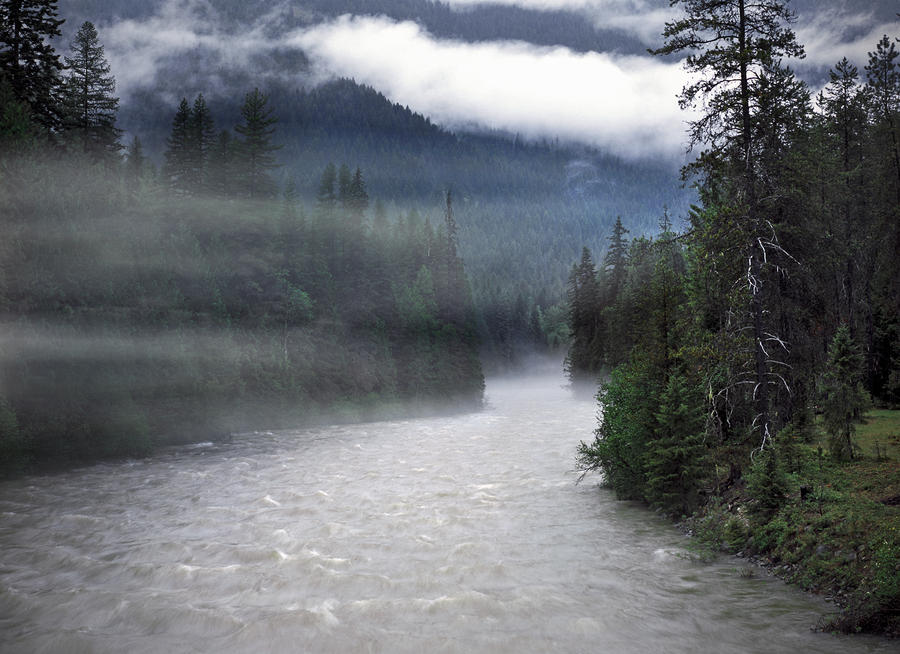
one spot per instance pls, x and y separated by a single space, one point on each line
735 533
676 455
27 58
886 565
619 449
584 322
843 397
767 485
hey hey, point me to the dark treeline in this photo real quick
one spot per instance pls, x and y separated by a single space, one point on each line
781 300
142 307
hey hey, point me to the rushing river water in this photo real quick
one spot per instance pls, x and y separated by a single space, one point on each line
461 534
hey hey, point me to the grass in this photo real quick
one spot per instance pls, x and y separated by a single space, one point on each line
879 434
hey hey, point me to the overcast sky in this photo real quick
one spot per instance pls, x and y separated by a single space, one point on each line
626 104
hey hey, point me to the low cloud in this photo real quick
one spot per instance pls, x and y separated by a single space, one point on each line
626 104
184 35
831 34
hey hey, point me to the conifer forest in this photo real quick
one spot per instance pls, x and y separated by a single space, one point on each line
235 249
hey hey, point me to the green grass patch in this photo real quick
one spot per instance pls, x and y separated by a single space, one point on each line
878 436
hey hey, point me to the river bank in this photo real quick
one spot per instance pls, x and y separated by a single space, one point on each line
836 531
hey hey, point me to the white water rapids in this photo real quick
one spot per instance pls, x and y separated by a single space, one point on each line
461 534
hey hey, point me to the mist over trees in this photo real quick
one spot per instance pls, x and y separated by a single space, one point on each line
146 307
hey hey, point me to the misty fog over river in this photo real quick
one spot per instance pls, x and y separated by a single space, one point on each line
449 534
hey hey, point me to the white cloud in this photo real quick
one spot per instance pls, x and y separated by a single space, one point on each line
136 49
624 103
825 37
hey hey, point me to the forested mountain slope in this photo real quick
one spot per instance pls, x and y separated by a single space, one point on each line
524 210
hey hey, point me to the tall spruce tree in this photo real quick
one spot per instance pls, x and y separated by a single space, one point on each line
202 144
358 197
27 58
256 151
584 313
733 46
676 456
179 151
616 261
325 194
883 76
843 398
344 182
90 106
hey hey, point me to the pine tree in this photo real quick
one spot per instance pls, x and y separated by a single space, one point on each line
358 198
344 182
256 158
844 108
325 194
90 107
27 58
616 261
584 312
737 47
883 77
676 454
202 141
843 396
451 286
17 129
179 150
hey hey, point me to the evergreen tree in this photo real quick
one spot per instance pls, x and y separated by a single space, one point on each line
584 310
676 454
90 107
202 141
451 286
325 194
178 167
344 182
737 45
844 399
17 129
616 261
884 86
844 107
358 198
27 58
256 149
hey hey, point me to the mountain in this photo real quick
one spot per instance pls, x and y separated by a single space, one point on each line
524 209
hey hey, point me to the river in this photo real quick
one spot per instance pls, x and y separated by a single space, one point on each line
453 534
